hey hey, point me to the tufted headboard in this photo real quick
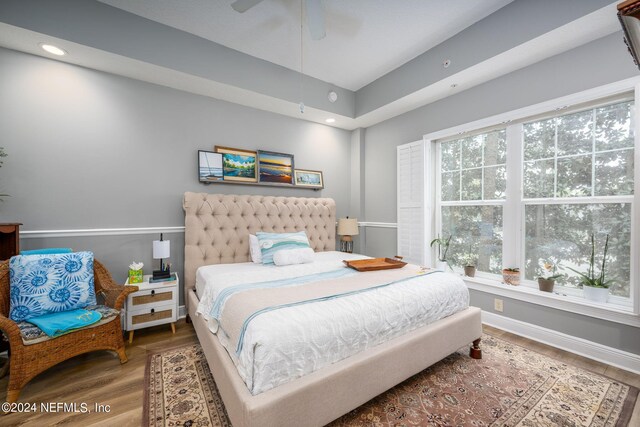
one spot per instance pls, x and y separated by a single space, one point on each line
217 226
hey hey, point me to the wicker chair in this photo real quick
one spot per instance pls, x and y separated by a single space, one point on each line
27 361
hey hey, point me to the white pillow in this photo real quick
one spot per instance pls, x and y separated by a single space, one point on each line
254 249
293 256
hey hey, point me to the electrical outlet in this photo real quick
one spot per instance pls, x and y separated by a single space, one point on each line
498 305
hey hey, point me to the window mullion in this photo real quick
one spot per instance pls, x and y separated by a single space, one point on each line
460 171
511 216
593 153
555 158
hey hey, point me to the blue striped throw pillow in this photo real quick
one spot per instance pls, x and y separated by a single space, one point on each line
270 243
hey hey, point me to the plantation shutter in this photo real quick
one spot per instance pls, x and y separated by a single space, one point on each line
412 215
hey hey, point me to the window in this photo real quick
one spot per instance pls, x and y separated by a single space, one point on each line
473 190
577 181
571 175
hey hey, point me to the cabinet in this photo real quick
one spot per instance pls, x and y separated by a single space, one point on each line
153 304
9 240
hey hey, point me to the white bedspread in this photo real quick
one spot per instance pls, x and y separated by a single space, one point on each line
287 343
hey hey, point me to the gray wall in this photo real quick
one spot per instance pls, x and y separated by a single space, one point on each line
597 63
92 150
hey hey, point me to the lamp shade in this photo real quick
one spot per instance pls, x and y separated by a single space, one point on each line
348 227
161 249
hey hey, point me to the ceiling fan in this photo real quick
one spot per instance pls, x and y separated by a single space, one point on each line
315 15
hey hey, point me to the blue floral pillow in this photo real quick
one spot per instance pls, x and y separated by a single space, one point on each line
51 283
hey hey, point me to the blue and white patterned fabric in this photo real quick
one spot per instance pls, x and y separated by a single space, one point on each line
270 243
42 284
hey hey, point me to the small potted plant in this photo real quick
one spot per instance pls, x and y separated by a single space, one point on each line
443 248
469 262
595 287
547 278
511 276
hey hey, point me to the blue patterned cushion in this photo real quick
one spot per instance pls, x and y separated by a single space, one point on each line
31 334
270 243
42 284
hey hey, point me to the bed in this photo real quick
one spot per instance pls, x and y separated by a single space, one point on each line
216 232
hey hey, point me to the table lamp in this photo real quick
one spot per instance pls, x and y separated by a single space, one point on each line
347 227
161 250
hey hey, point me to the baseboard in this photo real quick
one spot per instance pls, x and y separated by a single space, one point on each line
601 353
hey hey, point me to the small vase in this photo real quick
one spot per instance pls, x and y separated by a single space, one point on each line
545 285
442 265
595 294
470 270
511 277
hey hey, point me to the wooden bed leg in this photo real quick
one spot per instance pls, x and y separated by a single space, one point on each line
475 352
188 319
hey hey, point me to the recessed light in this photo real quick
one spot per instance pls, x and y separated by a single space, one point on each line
330 120
454 85
55 50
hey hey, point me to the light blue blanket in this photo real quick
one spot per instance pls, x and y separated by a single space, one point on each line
226 293
56 324
310 279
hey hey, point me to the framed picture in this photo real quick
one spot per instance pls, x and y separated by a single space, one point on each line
307 178
275 168
238 165
209 166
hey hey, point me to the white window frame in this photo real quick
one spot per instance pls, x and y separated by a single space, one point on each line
437 204
513 215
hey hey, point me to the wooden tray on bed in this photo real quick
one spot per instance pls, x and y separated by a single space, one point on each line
374 264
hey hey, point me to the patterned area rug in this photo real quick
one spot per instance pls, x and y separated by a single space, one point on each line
510 386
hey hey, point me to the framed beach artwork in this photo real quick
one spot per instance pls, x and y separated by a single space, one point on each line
275 168
238 165
308 178
209 166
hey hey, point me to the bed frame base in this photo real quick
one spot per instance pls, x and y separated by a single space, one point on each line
322 396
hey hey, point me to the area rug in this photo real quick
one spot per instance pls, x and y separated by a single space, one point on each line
510 386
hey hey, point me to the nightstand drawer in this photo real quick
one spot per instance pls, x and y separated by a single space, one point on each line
151 297
157 315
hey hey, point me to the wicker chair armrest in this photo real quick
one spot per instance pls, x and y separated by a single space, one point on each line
116 297
11 330
114 294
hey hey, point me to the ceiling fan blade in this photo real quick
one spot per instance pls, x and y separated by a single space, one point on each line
243 5
315 19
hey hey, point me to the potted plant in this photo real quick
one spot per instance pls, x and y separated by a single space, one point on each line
443 248
469 262
511 276
547 278
595 287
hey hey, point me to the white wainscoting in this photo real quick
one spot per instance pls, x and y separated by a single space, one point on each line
90 232
601 353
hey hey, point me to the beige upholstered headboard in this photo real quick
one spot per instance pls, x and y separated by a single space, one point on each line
217 226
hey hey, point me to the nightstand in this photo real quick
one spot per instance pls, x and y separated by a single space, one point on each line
153 304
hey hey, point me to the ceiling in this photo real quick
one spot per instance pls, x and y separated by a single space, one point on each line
365 39
399 55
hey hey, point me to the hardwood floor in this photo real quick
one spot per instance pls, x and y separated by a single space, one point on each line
98 378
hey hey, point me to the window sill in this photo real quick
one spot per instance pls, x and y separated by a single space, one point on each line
568 303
